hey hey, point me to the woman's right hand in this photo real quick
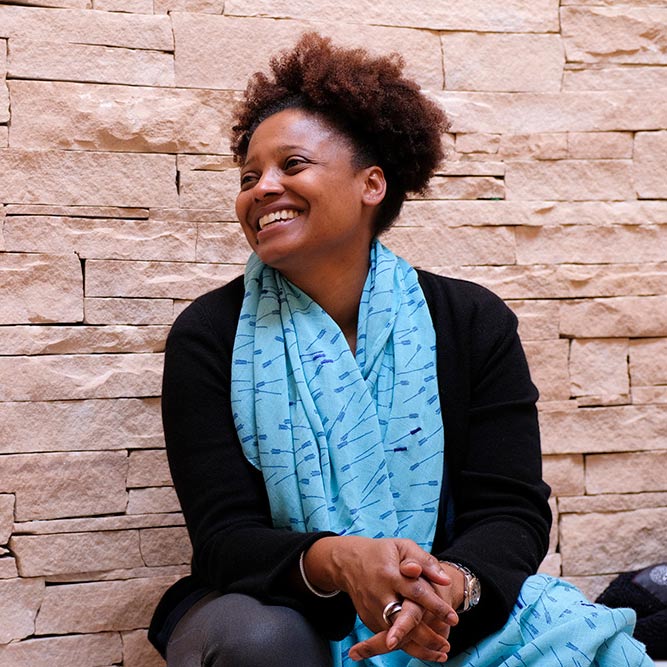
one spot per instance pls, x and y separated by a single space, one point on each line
374 572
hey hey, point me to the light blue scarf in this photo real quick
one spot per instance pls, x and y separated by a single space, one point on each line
349 445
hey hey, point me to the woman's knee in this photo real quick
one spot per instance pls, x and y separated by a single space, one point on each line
237 630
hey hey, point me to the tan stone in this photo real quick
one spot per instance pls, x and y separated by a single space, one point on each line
599 145
58 377
564 281
173 571
87 178
194 6
48 115
604 429
548 368
203 42
569 180
477 143
4 103
222 242
6 515
609 502
63 4
626 473
632 77
598 543
212 189
643 395
138 651
154 500
59 61
43 555
8 568
650 169
613 244
4 136
87 27
551 565
84 425
599 368
615 34
50 485
78 211
175 280
581 111
511 16
538 320
470 245
564 474
118 605
148 467
98 524
99 238
476 167
99 649
31 340
464 187
131 6
3 59
40 288
180 306
165 546
502 62
631 316
20 601
553 532
128 311
528 214
648 362
542 146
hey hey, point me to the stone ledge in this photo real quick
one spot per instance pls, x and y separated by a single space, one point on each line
99 524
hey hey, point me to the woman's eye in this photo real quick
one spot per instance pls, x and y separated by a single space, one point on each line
247 180
294 162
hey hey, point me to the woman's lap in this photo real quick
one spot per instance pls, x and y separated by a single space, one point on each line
238 631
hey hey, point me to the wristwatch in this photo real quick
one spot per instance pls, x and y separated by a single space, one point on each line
472 589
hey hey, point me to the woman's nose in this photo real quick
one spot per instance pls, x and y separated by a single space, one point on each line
269 183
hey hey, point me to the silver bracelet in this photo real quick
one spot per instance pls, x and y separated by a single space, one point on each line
309 586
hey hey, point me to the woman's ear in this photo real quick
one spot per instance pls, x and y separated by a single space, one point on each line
375 186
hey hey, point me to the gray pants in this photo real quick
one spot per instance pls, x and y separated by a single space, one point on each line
238 631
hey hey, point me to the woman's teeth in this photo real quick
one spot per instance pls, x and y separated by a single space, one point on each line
267 219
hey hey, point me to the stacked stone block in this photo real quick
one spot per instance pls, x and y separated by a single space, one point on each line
117 209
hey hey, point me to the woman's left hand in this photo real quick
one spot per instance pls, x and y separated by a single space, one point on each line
415 631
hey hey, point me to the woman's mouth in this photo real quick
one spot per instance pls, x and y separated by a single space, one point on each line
275 216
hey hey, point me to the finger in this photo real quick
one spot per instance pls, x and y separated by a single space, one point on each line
403 623
411 568
421 592
375 645
429 564
425 654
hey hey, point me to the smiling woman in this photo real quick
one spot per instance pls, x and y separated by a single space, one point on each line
354 443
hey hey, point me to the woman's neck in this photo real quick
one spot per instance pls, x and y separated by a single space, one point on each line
339 293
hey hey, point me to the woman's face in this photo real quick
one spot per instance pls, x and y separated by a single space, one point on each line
303 205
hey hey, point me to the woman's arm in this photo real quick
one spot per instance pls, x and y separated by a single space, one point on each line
501 514
235 547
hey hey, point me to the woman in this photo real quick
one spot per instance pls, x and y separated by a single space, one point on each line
354 443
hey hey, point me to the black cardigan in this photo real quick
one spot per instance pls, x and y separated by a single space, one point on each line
500 522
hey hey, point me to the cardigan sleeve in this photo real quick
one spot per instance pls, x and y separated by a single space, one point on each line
501 517
226 510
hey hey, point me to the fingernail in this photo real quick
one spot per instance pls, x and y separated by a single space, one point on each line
392 642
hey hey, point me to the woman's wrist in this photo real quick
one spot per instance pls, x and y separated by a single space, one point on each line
317 571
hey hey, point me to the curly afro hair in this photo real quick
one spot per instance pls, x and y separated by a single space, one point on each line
389 121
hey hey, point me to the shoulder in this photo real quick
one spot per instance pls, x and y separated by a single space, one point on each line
216 311
462 304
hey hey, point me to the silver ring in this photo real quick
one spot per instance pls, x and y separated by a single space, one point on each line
391 609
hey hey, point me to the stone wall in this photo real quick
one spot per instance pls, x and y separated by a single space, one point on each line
116 192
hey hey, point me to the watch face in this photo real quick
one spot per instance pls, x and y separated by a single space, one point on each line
475 592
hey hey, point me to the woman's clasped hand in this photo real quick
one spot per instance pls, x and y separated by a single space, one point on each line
375 572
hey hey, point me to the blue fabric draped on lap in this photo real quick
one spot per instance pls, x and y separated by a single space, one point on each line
348 443
354 444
